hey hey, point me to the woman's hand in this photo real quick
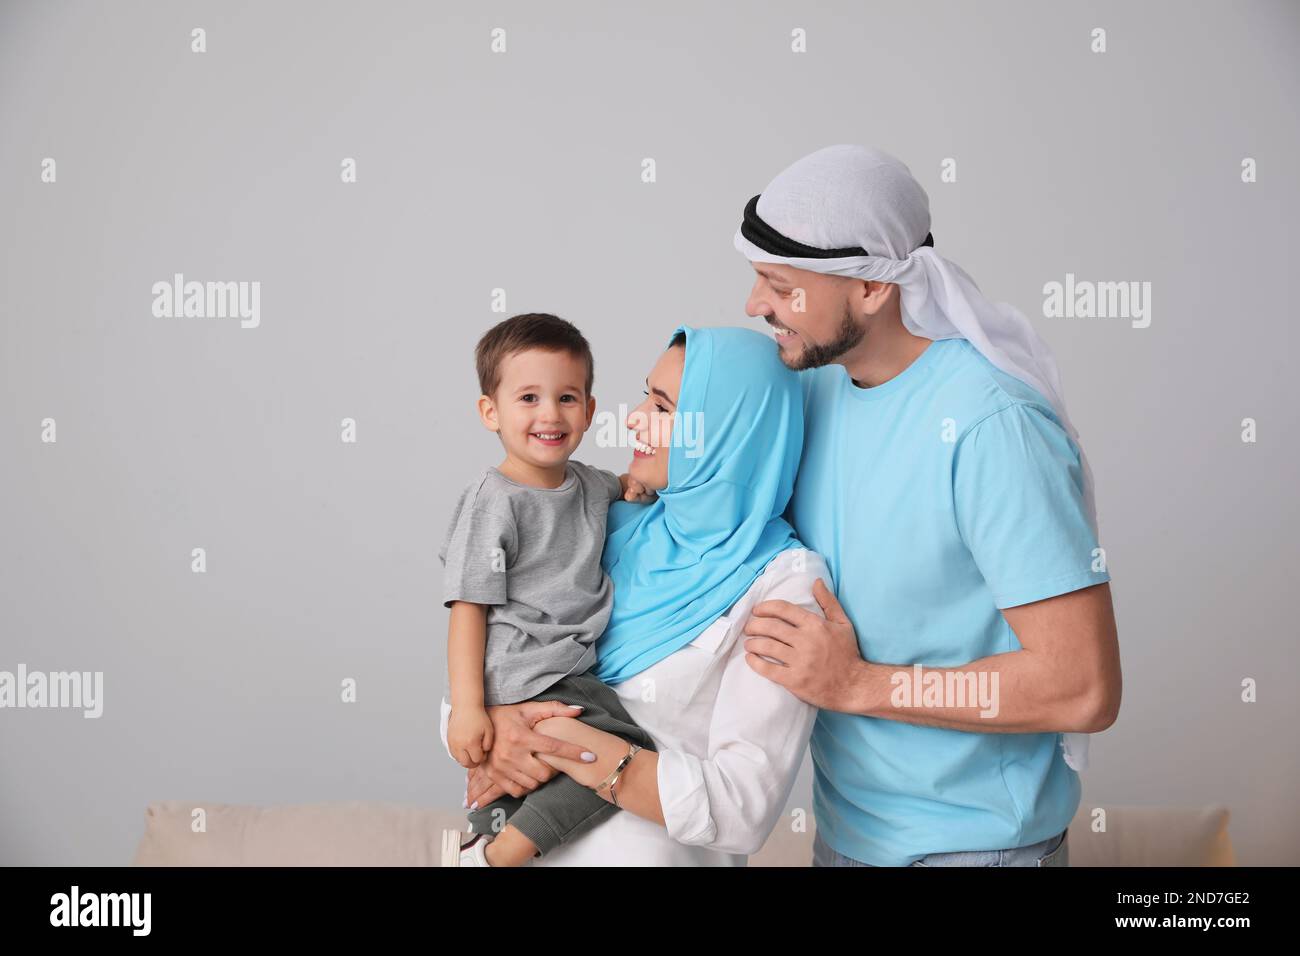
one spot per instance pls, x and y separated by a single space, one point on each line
512 766
608 748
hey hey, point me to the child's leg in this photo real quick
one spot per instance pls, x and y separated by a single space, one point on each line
553 814
562 808
538 822
510 848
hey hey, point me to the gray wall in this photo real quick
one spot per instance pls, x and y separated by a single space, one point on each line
522 170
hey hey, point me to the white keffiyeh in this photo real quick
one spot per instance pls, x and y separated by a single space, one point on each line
854 199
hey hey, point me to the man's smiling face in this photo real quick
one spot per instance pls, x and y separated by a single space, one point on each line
811 313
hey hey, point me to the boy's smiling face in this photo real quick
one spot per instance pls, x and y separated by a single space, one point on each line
540 409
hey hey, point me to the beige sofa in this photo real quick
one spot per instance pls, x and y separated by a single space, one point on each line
386 834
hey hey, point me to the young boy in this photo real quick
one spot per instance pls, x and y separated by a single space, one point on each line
524 582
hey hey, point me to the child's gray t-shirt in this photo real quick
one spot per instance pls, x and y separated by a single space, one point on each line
533 556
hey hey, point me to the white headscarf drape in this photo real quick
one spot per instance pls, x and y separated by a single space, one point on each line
855 199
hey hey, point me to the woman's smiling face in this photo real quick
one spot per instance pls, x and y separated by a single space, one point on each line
651 422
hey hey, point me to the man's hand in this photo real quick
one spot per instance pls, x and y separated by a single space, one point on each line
819 658
510 766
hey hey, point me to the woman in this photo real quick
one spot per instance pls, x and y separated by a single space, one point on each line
719 438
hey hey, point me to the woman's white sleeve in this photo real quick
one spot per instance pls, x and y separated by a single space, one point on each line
759 730
444 716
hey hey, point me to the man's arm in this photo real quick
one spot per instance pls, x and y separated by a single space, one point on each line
1019 507
1066 677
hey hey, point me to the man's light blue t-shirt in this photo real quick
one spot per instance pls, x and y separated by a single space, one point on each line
937 498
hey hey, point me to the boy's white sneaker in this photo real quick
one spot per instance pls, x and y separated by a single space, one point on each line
465 849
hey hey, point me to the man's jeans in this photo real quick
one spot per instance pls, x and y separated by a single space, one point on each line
1054 851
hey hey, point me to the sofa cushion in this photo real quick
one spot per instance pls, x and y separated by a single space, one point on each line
351 833
1135 836
1153 836
369 833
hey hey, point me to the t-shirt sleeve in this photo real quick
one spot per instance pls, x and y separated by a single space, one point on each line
1019 502
607 480
615 486
479 550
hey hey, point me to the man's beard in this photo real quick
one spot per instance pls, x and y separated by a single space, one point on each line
850 334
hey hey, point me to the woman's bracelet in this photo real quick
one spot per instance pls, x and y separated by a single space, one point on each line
615 773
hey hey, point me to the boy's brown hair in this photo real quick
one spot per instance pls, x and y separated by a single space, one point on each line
531 330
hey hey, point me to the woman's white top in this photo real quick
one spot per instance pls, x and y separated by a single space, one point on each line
730 742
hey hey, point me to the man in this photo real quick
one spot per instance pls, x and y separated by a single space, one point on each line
973 641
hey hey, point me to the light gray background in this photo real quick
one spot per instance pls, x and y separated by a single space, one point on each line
522 171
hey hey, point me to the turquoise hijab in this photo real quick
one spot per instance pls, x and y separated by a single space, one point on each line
680 562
